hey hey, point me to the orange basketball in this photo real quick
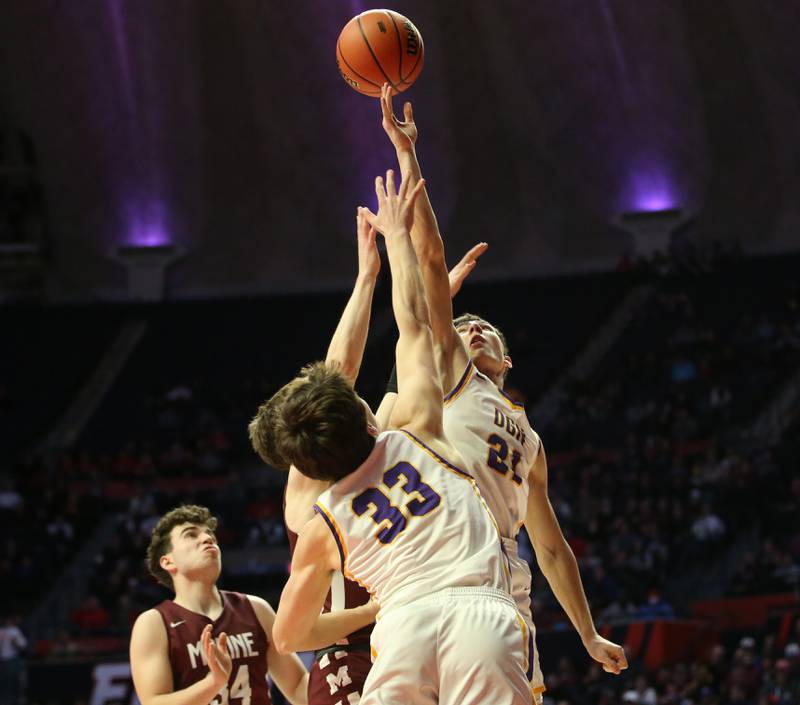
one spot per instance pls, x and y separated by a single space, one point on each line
377 47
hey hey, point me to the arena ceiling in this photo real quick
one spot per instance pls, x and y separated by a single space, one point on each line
224 127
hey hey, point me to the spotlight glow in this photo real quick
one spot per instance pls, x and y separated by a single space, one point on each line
147 226
650 190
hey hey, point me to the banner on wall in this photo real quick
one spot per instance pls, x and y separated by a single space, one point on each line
72 682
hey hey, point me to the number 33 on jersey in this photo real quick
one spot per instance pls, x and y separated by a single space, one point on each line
408 522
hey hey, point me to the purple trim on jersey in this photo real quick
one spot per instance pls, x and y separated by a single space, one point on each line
460 382
335 533
513 401
437 456
530 656
505 553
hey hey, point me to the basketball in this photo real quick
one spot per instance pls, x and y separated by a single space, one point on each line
377 47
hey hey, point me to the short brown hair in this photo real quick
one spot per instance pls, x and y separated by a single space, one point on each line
321 426
262 431
465 318
161 536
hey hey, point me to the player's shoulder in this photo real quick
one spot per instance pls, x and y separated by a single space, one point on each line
264 613
260 605
148 629
149 618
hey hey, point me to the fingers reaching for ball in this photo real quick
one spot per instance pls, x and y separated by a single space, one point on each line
395 208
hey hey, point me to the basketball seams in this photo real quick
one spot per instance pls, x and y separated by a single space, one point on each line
372 53
353 71
369 49
420 54
399 47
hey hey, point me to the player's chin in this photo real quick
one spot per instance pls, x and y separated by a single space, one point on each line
484 361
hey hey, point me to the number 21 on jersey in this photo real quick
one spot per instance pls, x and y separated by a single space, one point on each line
393 519
498 454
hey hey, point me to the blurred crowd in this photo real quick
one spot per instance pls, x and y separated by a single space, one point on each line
650 477
748 673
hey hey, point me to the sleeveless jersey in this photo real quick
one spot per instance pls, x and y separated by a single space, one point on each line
408 523
247 645
492 433
344 594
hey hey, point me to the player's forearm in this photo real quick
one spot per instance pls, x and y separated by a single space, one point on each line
561 571
200 693
425 232
299 694
408 293
349 339
334 626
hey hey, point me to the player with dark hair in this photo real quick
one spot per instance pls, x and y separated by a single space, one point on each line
490 429
206 645
401 518
339 670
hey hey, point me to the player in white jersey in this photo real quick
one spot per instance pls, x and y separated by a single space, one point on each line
490 430
401 518
339 675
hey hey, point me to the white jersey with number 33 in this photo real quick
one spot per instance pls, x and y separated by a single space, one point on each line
409 523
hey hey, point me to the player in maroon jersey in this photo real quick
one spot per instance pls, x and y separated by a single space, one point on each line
209 646
339 671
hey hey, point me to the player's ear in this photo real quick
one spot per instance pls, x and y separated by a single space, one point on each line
167 563
507 364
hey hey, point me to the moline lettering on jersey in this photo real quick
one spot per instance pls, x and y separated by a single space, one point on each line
239 646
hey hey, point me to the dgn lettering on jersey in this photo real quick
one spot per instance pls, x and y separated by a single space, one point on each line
503 421
239 646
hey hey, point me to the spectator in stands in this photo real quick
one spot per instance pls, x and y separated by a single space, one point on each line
780 688
12 664
641 692
10 498
708 527
91 617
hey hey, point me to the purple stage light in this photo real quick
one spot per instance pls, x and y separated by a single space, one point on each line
650 190
147 226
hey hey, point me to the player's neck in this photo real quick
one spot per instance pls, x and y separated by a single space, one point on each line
490 370
497 377
301 493
196 596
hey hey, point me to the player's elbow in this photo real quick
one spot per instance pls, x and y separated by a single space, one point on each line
283 638
547 556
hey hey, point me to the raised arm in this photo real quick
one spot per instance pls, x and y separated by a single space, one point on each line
347 345
428 245
457 276
419 392
557 562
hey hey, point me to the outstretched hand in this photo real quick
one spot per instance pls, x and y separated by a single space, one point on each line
369 260
395 208
402 134
462 270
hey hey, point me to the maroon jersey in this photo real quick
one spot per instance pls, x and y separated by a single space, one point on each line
247 645
337 675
